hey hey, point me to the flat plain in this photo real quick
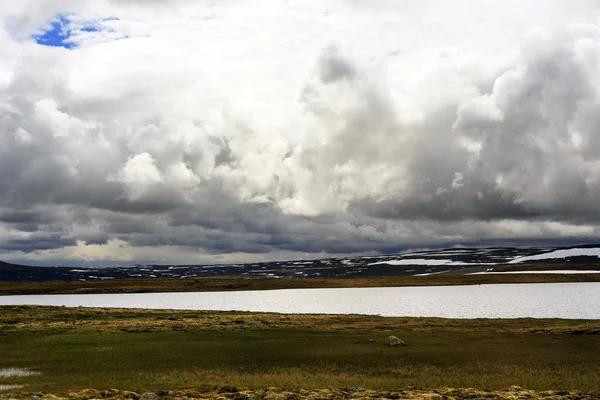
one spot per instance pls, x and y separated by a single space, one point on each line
155 285
74 349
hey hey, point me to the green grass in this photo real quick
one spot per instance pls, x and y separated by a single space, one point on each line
294 358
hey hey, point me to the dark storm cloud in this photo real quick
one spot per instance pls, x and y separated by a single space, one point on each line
36 242
355 172
27 216
251 228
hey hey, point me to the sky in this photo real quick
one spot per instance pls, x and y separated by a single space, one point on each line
247 130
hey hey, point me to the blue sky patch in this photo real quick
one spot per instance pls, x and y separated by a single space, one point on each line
57 35
64 27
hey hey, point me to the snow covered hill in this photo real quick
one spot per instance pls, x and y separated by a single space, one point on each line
415 263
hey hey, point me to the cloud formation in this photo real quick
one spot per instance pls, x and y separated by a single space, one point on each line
233 131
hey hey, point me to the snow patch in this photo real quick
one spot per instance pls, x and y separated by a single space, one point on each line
18 372
425 261
589 252
10 387
432 273
563 271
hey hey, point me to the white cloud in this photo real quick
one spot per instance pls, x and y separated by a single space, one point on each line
411 119
140 169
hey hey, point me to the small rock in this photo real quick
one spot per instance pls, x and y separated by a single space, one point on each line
396 341
174 317
228 389
371 341
150 396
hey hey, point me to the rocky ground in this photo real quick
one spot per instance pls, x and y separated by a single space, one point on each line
233 393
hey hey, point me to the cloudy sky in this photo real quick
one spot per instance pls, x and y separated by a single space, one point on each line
241 130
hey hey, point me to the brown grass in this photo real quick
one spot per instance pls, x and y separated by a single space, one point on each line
143 285
45 319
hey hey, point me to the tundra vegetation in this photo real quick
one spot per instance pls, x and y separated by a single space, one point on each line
147 285
164 351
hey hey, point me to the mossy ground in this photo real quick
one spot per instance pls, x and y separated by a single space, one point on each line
143 350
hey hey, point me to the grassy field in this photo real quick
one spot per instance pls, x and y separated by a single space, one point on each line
159 350
141 285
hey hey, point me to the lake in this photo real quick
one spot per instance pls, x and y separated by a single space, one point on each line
539 300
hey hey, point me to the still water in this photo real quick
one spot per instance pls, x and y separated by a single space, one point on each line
540 300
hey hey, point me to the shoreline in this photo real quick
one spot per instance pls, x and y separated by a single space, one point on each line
156 285
22 319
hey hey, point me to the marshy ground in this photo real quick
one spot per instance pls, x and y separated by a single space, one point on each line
164 351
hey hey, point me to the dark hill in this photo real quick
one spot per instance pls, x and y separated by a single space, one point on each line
424 262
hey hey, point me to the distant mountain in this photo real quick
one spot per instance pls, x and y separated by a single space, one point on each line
16 272
426 262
